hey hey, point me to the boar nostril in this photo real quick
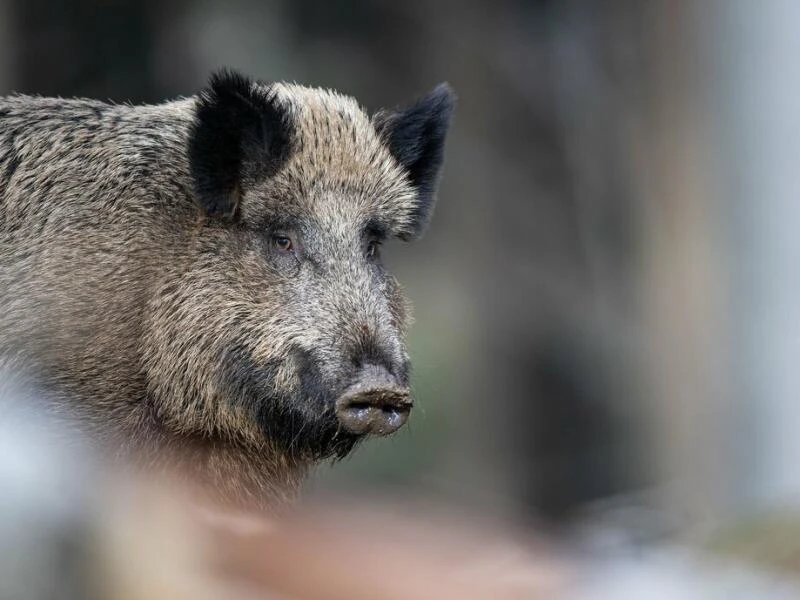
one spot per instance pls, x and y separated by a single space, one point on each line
375 403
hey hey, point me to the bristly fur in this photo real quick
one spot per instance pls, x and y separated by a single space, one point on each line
415 137
164 327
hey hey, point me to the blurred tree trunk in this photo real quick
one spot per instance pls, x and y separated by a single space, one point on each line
756 98
560 382
682 273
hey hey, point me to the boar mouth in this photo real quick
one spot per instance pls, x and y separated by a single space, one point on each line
373 405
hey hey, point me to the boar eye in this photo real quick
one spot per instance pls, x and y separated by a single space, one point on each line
283 243
373 249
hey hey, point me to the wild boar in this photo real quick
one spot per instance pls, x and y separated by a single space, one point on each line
204 275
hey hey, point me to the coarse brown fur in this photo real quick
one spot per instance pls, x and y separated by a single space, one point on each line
141 283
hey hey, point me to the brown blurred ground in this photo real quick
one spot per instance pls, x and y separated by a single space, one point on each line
155 542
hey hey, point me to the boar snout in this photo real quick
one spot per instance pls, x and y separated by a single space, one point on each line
375 403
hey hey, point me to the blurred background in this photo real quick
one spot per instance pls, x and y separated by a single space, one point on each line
607 300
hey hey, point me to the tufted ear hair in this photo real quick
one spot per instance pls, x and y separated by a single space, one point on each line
415 136
240 130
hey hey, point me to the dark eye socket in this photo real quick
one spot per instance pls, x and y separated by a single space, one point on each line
373 249
375 233
283 243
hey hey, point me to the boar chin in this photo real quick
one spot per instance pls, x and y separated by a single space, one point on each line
305 437
299 420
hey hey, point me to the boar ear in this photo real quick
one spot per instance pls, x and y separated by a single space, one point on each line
415 136
239 129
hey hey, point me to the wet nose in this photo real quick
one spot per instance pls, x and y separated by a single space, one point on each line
374 404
